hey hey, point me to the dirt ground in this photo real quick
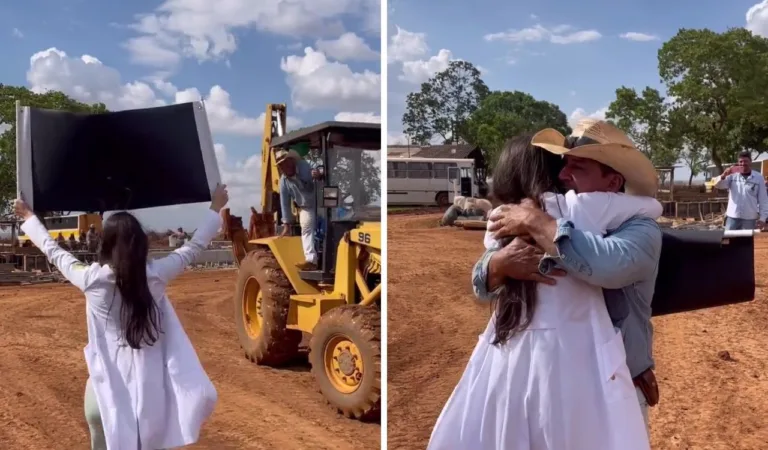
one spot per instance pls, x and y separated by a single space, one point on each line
708 400
43 373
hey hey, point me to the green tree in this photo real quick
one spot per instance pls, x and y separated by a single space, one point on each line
502 115
696 159
645 119
48 100
682 134
443 104
719 78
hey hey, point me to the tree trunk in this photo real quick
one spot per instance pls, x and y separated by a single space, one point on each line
690 180
716 160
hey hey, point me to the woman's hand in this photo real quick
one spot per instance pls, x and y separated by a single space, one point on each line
219 198
22 210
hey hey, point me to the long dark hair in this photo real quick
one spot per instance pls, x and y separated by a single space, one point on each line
124 247
523 171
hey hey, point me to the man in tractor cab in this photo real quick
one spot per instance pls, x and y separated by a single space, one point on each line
297 184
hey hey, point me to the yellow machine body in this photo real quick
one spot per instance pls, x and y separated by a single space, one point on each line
276 301
312 301
72 225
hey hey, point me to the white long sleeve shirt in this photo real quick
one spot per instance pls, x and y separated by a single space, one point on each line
747 196
158 394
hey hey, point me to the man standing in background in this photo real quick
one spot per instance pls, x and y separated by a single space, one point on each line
747 195
92 239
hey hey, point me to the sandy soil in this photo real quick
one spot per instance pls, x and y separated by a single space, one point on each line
42 334
708 400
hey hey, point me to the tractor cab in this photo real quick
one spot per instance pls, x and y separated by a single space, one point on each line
349 194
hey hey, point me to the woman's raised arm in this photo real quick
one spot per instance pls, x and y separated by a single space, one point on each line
70 267
173 265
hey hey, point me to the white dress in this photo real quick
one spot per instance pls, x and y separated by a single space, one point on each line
159 394
563 383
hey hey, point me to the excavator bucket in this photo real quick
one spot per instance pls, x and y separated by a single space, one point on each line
235 233
262 225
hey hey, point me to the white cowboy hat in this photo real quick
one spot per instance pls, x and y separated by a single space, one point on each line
281 155
603 142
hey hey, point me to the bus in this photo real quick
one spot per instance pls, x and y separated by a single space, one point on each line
430 181
75 224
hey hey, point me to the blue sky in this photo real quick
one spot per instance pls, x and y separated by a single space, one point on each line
574 54
321 57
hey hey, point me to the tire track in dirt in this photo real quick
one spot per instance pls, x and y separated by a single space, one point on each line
708 401
42 334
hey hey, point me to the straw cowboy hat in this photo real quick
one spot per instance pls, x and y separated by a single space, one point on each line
603 142
281 155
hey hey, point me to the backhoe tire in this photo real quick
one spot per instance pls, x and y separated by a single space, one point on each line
356 328
271 344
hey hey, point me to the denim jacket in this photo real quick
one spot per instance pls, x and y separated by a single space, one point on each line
624 263
300 188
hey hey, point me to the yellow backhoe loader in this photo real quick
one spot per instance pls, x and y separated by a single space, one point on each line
338 304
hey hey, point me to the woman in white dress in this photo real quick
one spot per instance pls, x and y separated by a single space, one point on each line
549 372
146 387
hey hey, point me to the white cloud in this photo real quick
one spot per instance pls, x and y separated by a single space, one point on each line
166 87
534 17
358 117
420 71
17 33
146 50
396 138
222 117
206 30
561 34
242 179
317 83
757 19
348 46
581 113
88 80
407 46
576 37
639 37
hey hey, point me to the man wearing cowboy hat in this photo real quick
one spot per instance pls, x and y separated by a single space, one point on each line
297 184
598 157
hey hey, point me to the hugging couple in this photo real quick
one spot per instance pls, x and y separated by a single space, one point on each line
570 266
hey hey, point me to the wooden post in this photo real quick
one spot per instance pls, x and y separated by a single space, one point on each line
672 183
